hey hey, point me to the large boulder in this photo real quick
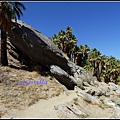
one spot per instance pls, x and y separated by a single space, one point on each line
40 49
63 76
28 46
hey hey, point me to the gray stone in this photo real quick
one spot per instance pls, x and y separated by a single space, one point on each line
63 76
93 91
117 112
104 89
76 109
36 46
118 91
89 98
112 86
79 83
117 101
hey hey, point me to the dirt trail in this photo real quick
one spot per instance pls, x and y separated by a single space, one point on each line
44 108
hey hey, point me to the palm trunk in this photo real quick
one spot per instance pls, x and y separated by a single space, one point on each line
74 59
79 59
63 46
4 60
96 70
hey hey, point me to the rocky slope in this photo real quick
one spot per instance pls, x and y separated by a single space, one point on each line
15 94
41 82
53 100
30 46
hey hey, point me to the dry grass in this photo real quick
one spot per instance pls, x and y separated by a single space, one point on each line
14 96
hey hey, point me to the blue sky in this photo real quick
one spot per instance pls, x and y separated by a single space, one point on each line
96 24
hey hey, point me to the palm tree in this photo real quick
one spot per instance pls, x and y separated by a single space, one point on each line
118 75
80 53
65 41
86 51
62 38
8 11
96 61
71 42
70 45
75 52
112 70
55 39
68 32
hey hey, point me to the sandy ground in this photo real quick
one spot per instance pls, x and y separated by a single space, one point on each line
46 108
40 101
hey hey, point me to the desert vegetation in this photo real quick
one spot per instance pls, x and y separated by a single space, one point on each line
105 68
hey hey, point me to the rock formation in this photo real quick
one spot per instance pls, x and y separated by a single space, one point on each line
30 46
36 46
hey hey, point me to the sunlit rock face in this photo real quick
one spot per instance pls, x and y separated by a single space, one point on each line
30 46
36 46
